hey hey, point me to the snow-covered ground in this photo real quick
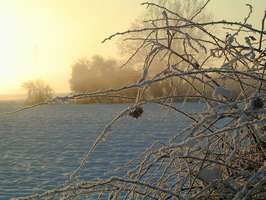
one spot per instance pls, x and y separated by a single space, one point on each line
39 147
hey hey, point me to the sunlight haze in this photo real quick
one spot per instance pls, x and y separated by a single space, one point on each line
42 39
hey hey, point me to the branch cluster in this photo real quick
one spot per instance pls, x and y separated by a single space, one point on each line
222 154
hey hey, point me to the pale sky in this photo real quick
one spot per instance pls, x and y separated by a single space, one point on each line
41 39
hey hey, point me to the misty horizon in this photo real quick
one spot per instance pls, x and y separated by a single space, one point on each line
48 44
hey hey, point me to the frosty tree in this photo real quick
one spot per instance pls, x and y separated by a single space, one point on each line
38 92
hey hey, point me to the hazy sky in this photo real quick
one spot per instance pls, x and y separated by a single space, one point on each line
41 39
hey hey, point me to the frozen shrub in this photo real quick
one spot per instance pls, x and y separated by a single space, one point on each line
212 161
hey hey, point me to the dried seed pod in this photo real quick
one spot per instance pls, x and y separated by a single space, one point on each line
196 65
252 38
257 103
136 112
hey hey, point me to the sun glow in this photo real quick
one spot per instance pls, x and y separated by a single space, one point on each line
42 39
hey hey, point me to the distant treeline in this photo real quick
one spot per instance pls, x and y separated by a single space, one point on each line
97 74
38 92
